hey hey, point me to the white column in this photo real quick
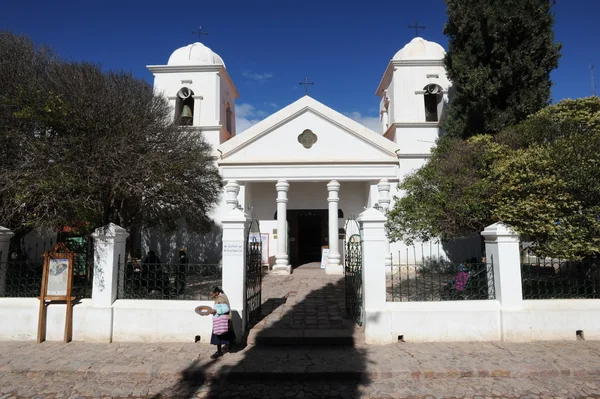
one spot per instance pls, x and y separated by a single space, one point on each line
232 189
333 261
377 319
5 236
234 259
384 200
282 264
109 250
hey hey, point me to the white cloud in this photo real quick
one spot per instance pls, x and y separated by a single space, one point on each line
259 77
372 122
246 115
271 105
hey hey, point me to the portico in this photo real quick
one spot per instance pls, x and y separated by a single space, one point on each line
304 162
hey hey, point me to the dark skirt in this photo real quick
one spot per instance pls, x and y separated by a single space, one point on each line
223 339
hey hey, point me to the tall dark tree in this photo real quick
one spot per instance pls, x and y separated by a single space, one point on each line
500 56
83 147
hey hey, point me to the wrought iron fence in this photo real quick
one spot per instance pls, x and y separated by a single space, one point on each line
167 281
558 279
437 279
23 278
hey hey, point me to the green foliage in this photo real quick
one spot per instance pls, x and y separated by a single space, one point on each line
539 176
500 57
449 197
84 147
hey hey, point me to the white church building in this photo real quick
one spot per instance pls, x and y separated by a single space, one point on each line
304 174
307 169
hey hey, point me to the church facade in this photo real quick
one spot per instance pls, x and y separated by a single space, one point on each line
306 171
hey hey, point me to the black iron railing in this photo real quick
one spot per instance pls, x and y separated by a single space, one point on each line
434 279
167 281
544 278
353 278
253 281
23 279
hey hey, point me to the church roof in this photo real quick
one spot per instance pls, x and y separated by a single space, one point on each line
294 115
420 49
194 54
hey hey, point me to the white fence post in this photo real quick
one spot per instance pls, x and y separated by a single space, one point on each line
502 249
109 248
5 236
234 259
377 319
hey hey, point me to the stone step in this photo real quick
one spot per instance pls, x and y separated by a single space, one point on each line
305 337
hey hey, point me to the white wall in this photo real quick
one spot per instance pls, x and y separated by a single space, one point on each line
538 320
204 83
446 321
409 107
160 321
20 321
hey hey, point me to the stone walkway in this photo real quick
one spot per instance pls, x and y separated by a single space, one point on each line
542 369
306 305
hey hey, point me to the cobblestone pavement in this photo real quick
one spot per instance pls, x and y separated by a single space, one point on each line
306 306
536 370
290 299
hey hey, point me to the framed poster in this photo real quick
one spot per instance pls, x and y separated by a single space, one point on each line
58 277
57 284
264 239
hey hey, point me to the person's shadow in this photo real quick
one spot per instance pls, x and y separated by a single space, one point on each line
326 368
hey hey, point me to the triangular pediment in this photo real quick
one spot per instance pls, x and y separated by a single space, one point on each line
325 136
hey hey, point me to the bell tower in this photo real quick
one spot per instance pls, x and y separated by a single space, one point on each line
200 91
414 96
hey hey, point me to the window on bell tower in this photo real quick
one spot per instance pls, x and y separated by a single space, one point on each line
433 98
184 107
228 118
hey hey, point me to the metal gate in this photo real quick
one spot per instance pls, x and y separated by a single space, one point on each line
353 261
253 273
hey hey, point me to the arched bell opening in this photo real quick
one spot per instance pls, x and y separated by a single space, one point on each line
184 107
433 102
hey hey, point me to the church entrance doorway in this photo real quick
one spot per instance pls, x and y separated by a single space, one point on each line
308 235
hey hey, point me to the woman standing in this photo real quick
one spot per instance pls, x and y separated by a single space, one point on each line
222 333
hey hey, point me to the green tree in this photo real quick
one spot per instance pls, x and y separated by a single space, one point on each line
548 188
539 176
96 147
499 60
450 196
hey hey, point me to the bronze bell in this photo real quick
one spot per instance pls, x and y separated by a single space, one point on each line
186 112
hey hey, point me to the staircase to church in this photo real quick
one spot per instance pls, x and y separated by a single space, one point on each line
306 308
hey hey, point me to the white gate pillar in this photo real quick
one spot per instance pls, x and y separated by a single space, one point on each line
5 236
377 319
502 250
109 250
234 259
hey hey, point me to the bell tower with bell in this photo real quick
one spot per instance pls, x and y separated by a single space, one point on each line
200 91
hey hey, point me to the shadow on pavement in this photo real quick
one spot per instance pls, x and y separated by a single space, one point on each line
293 369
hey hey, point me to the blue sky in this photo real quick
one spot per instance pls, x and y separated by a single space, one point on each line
270 46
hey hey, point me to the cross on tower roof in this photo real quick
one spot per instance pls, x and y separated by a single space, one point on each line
306 83
416 27
199 33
